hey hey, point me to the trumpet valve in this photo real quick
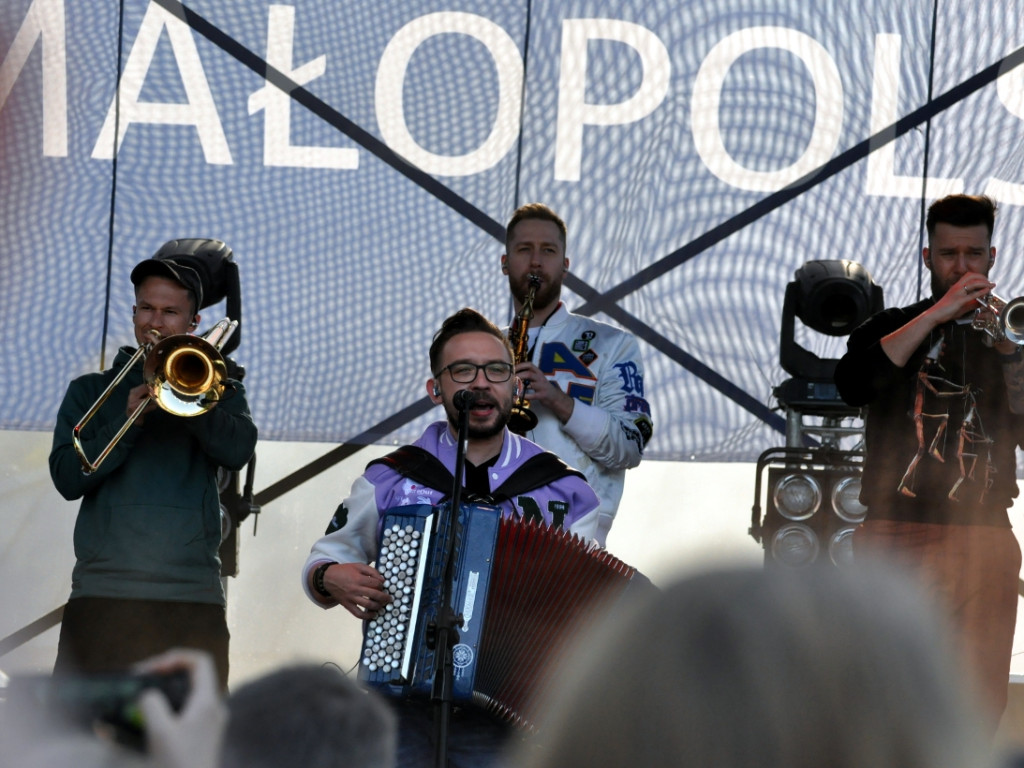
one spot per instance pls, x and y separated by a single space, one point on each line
1002 320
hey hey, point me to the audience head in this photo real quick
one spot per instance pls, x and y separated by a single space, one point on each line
308 715
765 668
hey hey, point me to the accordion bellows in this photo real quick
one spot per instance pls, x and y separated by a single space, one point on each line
523 590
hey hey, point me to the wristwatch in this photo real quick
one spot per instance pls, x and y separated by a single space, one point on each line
318 579
1013 357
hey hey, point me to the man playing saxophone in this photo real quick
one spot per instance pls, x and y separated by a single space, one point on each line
147 572
584 379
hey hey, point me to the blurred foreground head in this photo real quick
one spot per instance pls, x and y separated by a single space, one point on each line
756 668
311 716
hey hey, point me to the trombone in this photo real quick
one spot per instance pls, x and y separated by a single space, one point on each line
185 375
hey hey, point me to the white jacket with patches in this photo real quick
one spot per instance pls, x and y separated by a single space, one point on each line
600 366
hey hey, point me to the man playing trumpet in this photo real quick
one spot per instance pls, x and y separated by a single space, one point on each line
941 436
147 572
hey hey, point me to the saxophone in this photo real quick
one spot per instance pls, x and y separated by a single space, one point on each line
522 419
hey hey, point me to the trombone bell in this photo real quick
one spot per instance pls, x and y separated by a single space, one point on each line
185 375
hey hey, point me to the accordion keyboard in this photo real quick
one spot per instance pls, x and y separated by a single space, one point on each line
517 589
398 656
386 646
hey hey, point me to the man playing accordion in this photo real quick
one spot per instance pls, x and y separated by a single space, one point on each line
468 355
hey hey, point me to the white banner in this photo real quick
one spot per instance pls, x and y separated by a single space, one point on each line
361 158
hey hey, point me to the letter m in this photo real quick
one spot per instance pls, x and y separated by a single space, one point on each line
44 21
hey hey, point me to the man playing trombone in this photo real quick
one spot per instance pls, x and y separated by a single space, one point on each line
147 572
941 435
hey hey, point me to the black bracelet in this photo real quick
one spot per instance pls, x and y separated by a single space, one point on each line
1013 357
318 579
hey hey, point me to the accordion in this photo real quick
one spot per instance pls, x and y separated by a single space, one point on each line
521 589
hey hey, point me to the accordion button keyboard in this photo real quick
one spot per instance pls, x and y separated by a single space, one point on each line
386 633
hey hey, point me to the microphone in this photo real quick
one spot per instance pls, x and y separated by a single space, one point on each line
464 399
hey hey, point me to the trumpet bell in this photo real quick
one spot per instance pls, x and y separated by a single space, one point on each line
1002 320
1012 320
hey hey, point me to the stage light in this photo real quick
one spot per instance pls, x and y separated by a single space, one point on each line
831 297
813 483
846 499
794 545
236 505
797 496
227 527
840 547
811 507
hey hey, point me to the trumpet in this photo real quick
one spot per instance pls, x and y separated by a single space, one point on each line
1005 321
185 375
522 419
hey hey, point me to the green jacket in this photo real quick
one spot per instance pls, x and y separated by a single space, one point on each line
149 523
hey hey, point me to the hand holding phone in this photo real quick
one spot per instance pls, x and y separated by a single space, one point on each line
189 737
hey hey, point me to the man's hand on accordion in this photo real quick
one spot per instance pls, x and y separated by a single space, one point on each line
357 587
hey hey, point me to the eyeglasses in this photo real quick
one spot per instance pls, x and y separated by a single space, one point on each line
465 373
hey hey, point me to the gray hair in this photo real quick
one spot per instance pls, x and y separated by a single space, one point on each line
308 715
766 668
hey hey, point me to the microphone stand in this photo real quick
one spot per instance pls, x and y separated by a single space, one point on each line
448 622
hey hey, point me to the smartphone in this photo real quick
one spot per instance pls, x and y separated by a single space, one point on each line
87 700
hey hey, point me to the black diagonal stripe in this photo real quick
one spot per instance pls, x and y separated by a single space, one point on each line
956 94
334 118
594 300
373 145
373 435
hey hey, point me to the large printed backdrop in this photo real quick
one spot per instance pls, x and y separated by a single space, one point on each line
360 159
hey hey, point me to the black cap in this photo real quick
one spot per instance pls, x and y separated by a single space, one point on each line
187 277
211 259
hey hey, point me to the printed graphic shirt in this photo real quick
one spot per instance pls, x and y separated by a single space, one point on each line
599 365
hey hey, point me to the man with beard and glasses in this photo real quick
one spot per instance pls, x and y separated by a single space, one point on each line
941 436
584 379
468 353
